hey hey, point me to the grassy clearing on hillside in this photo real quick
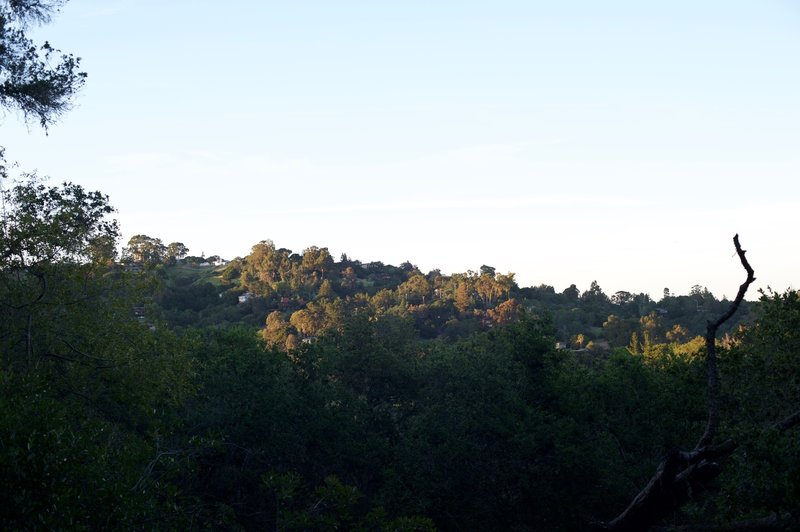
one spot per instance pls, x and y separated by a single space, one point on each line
198 274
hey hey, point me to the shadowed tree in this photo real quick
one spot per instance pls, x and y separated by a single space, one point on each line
177 251
38 81
145 249
81 376
506 283
571 293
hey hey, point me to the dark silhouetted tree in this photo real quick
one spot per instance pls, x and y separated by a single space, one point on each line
38 81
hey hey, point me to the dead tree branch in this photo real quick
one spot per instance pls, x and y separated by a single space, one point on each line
711 349
682 474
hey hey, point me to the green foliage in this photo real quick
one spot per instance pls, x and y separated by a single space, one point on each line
422 401
444 307
330 506
43 225
176 251
761 380
145 250
762 365
62 467
38 81
343 396
86 387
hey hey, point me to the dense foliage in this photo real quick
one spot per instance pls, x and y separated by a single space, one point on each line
404 402
164 391
38 81
297 297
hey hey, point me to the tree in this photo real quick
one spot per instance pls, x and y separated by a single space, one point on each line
266 266
46 233
652 328
622 297
44 224
176 251
82 378
571 293
506 283
697 290
408 267
487 270
276 331
618 331
415 290
348 278
578 340
678 333
40 82
316 260
325 290
594 294
506 312
383 300
761 372
487 288
463 293
682 474
308 322
145 250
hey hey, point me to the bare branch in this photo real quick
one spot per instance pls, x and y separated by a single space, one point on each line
711 350
676 478
682 473
788 423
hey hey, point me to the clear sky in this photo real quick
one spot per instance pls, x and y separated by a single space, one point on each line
618 141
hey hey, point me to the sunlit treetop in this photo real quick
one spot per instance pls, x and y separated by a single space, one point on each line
43 224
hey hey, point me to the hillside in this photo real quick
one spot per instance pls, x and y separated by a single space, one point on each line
295 297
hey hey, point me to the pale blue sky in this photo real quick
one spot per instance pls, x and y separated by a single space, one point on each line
565 141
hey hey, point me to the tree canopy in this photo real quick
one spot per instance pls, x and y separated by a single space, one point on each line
286 391
43 224
339 395
38 81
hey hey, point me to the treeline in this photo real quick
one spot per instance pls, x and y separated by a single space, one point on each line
296 297
110 418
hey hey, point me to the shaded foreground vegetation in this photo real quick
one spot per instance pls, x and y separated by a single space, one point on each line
294 392
142 394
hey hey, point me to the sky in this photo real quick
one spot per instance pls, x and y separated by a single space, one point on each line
621 141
